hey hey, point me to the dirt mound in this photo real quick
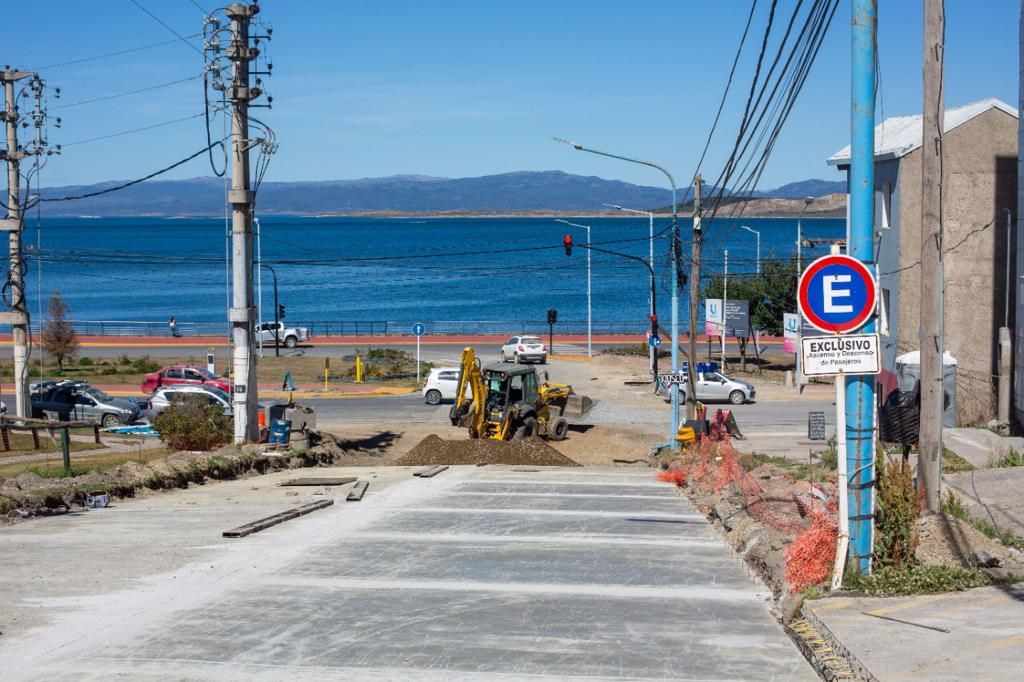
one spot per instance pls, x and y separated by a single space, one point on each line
532 451
947 541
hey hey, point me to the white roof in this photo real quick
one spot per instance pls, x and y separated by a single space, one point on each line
898 136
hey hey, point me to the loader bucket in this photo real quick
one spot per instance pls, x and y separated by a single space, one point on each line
577 405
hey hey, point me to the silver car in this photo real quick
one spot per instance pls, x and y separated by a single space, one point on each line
717 387
165 394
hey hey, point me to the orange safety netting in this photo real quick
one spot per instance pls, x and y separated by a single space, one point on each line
713 466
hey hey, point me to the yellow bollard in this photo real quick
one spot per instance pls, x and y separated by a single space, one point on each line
327 371
359 369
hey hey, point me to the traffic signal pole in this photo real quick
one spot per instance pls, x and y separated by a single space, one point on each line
860 390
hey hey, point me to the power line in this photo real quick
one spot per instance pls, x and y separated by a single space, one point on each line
167 26
133 182
49 67
134 130
129 92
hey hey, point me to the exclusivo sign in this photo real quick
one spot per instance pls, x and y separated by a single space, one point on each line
840 355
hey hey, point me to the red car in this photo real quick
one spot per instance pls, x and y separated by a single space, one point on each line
184 374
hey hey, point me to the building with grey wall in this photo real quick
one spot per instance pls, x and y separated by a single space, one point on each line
979 189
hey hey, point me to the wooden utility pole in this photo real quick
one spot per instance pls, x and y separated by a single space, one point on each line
691 349
931 313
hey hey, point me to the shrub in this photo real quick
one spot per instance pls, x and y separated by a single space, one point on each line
898 508
1011 459
191 423
85 361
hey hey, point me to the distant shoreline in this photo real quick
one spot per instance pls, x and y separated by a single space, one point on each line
837 213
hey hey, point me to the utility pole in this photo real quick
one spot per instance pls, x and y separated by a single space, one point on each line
240 196
724 331
18 316
691 350
930 330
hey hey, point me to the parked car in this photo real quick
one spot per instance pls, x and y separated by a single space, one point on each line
289 336
713 386
165 394
441 384
184 375
76 400
524 349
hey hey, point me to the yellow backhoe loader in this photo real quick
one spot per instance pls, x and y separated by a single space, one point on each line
508 402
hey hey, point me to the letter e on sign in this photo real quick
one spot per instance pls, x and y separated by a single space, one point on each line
837 294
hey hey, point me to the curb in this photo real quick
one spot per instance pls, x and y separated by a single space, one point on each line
826 649
376 393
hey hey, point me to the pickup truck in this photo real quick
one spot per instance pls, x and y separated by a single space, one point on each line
289 336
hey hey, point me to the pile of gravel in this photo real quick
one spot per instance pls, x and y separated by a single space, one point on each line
531 451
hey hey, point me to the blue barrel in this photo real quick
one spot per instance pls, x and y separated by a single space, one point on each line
280 430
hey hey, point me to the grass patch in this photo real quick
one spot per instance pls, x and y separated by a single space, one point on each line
953 463
54 468
952 505
1011 459
798 470
890 581
21 444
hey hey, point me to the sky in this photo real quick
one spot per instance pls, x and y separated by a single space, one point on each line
461 88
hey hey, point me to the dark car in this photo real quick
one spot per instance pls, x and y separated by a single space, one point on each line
77 401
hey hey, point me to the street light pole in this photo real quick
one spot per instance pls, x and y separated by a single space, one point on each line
674 248
758 234
590 351
650 262
277 310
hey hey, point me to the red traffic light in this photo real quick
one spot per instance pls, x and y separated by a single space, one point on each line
654 319
567 241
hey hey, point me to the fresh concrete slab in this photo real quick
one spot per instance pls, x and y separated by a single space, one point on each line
980 447
984 642
468 575
993 495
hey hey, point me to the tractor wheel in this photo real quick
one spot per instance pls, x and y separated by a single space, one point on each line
527 430
558 428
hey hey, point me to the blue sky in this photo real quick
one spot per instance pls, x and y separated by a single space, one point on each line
464 88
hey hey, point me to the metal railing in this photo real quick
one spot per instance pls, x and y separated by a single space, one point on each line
322 328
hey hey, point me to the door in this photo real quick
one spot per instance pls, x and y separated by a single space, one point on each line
713 387
172 376
448 384
530 393
509 349
86 408
193 377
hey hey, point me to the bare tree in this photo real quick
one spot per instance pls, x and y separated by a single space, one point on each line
59 337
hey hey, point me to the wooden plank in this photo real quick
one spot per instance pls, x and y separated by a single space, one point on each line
274 519
430 472
358 490
324 480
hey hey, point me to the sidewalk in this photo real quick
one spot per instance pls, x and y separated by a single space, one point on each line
984 639
301 391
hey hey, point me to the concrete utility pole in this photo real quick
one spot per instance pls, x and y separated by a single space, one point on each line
930 330
18 316
243 312
691 350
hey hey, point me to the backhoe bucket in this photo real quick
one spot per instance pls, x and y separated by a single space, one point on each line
577 405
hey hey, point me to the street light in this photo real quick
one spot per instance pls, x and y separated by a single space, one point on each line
277 311
590 352
650 262
758 246
674 228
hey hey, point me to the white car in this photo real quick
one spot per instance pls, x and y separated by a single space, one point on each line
524 349
290 337
441 384
165 394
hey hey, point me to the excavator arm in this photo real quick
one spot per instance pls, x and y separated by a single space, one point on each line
475 406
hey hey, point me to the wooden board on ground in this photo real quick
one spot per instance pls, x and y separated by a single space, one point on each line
323 480
358 490
430 472
274 519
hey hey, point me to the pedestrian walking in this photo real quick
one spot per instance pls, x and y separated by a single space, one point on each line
173 324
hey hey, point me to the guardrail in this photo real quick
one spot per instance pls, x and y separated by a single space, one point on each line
321 328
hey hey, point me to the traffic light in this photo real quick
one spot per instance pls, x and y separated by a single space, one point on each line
280 311
567 241
552 316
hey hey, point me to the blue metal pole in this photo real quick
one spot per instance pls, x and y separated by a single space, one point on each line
860 390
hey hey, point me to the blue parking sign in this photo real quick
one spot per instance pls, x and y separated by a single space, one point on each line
419 329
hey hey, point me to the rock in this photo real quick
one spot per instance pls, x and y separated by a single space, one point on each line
983 559
792 607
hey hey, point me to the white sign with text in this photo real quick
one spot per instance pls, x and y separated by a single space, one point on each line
822 356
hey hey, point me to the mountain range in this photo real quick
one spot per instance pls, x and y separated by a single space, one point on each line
506 193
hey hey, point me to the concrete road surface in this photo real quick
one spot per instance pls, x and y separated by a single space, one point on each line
498 572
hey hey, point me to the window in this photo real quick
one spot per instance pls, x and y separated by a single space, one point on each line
193 375
82 399
513 341
885 205
515 389
530 388
883 314
448 376
173 374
